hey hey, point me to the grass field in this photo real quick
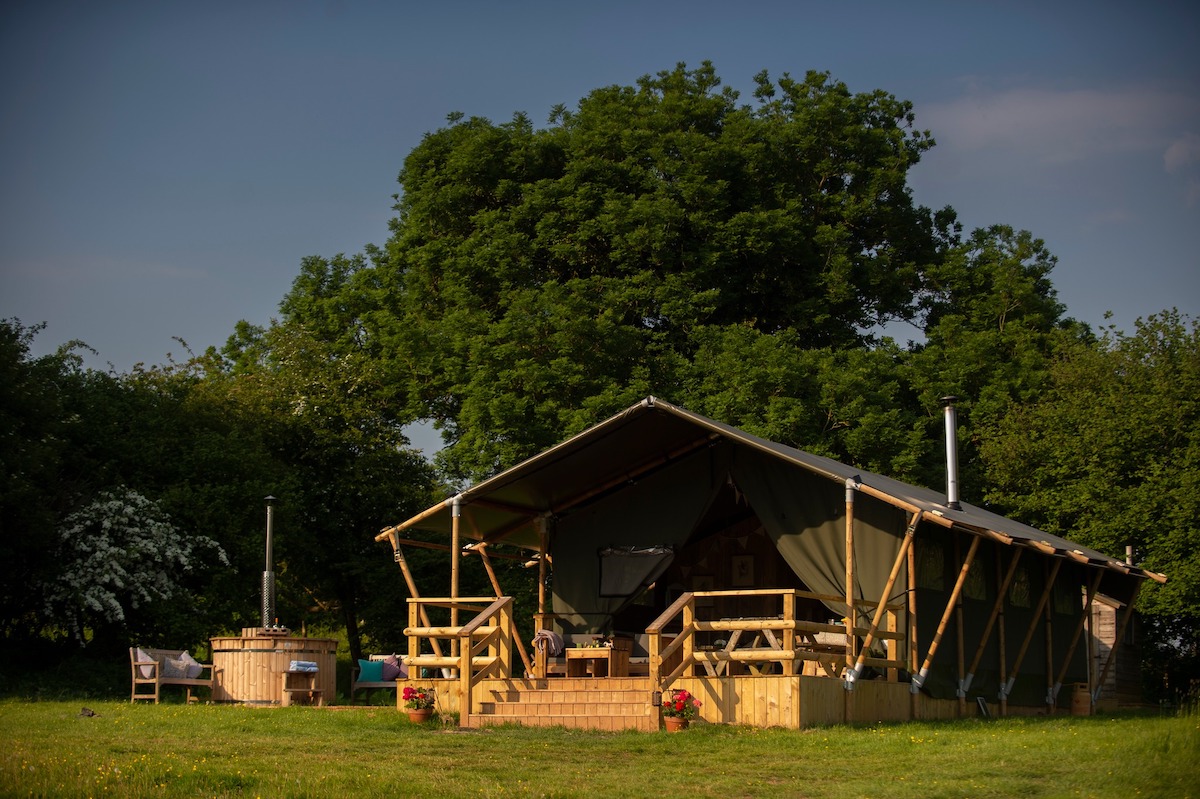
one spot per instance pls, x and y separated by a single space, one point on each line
175 750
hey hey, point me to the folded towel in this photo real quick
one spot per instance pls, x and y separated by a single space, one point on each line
549 640
303 665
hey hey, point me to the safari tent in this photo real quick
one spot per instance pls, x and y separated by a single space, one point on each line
780 587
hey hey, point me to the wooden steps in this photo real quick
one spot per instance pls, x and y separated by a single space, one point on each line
607 703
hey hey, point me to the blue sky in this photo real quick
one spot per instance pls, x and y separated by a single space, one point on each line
165 166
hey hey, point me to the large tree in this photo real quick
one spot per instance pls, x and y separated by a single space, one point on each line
538 279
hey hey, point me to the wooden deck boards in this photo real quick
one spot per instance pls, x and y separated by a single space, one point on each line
627 703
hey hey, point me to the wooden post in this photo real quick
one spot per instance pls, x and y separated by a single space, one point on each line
455 555
1001 639
960 655
506 622
455 558
689 642
464 680
881 608
543 558
919 679
789 633
912 627
481 550
1048 615
851 613
1006 689
655 653
414 643
997 612
542 655
412 590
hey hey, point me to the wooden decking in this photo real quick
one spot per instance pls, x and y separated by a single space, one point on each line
628 703
772 671
613 703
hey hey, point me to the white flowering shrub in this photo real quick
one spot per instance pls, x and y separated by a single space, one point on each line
120 551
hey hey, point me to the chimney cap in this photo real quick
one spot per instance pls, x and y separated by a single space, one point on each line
949 399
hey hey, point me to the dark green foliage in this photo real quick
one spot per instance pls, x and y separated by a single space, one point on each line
538 280
1109 456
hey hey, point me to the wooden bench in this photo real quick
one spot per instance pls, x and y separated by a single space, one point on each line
357 685
151 673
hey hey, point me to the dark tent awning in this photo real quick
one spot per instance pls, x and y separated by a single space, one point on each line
652 436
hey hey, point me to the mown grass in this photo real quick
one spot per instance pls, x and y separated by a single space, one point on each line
49 749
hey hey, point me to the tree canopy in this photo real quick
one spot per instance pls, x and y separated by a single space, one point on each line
536 279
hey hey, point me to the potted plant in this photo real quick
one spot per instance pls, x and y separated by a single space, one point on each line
679 707
419 702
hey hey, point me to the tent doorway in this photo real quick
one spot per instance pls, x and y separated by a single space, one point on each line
729 549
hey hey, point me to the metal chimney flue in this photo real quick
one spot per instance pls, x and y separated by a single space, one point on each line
951 452
268 581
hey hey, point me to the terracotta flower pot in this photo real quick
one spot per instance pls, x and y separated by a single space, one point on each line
675 723
420 716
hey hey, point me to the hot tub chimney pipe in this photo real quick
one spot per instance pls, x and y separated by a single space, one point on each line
268 581
951 453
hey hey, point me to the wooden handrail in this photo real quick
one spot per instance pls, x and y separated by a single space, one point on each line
490 631
440 632
491 610
786 652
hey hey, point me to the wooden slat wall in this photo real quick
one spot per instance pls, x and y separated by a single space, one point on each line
250 669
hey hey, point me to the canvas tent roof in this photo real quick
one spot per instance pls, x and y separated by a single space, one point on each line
654 434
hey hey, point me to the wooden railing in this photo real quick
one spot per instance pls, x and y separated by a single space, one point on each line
480 648
787 640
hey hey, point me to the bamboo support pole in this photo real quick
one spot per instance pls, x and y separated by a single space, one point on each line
420 517
911 559
398 554
491 572
896 502
1006 689
1001 638
997 610
455 555
919 679
1048 620
542 656
881 609
851 613
960 655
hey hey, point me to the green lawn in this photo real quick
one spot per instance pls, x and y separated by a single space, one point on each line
175 750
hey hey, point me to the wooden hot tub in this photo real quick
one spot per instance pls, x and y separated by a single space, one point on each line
249 668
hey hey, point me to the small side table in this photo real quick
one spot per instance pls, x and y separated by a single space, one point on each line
597 662
300 687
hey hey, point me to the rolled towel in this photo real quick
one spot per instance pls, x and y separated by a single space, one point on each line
303 665
549 640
